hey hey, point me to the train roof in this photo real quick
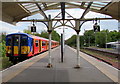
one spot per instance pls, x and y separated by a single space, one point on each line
37 37
18 34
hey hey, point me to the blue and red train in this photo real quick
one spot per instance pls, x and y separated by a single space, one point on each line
20 46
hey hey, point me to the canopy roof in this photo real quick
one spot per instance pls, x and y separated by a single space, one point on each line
16 11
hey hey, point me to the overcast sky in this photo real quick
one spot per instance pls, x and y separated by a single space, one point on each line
76 13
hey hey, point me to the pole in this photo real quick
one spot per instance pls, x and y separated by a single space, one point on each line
62 48
106 40
50 31
78 48
77 24
63 39
89 41
95 39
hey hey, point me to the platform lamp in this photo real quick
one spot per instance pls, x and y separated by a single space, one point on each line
96 28
33 27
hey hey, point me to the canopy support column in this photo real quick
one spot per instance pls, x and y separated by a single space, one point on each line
50 31
77 24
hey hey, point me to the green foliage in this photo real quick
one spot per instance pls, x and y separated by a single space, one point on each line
55 36
89 38
3 59
2 49
71 41
5 63
2 45
44 34
27 31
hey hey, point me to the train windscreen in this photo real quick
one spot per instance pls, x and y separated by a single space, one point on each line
24 41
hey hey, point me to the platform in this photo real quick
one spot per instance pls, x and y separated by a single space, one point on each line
34 70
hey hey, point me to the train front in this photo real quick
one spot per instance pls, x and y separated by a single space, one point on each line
18 46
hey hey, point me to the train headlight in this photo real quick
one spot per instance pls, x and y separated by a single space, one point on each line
25 52
9 52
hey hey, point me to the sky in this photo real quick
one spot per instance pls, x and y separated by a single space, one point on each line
76 13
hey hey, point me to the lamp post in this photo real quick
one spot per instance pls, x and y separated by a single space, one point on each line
62 43
63 36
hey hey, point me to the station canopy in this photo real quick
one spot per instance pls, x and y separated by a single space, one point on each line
16 11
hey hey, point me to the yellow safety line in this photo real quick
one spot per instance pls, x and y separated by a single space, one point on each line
12 75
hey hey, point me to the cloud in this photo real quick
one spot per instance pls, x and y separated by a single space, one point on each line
76 13
9 30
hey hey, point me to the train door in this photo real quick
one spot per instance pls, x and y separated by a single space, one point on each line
14 44
40 45
17 45
46 45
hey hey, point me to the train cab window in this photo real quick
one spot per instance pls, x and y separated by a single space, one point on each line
36 43
43 43
16 41
9 41
24 41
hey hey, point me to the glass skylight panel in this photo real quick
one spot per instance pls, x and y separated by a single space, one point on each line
75 3
41 6
97 8
97 5
51 4
26 4
35 10
102 3
30 6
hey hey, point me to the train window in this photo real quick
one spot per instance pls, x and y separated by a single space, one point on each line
36 43
52 43
43 43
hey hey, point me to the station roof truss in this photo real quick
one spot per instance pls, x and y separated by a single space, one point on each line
16 11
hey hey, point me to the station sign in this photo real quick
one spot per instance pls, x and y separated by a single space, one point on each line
33 28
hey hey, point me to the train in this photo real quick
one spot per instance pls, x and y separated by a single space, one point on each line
20 46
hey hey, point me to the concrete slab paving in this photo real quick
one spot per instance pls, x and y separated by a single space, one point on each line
61 72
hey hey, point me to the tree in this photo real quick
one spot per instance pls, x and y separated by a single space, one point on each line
27 31
2 44
71 41
55 36
89 37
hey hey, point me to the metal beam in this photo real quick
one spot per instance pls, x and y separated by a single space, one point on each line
63 10
41 11
86 10
89 19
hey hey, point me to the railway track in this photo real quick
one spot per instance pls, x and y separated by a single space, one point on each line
107 57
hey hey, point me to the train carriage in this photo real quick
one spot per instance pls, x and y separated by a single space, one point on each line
20 46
